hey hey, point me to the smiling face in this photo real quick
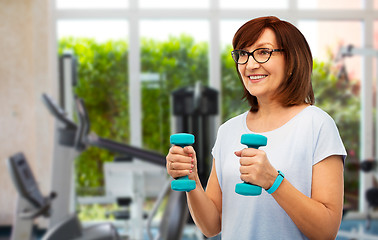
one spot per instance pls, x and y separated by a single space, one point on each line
263 79
286 77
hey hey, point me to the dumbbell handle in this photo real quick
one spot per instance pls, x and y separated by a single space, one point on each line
182 183
252 141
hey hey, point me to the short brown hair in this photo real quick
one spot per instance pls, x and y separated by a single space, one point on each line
297 87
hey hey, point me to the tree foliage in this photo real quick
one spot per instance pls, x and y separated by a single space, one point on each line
103 84
339 97
178 62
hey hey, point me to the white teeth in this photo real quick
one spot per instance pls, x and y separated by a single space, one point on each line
256 77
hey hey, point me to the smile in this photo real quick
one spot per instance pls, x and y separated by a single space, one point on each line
257 77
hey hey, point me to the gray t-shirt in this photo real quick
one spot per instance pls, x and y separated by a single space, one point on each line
294 148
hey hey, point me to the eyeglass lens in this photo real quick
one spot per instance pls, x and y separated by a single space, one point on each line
260 55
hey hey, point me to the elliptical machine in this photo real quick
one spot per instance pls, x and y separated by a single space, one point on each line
194 118
32 204
175 214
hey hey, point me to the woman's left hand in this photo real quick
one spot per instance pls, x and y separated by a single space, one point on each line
255 168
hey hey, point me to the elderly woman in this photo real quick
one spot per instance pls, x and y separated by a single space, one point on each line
301 167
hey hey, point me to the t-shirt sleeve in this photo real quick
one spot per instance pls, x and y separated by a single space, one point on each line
328 141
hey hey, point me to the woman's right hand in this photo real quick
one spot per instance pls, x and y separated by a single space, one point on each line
181 162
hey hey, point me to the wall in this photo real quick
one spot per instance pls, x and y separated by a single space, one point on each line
25 73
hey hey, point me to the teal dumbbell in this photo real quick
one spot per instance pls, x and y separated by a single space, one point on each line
182 183
252 141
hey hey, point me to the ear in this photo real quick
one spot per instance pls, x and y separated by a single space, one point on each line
290 69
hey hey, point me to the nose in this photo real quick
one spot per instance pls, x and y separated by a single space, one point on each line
252 63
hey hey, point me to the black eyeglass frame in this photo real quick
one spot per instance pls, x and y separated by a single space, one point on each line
252 54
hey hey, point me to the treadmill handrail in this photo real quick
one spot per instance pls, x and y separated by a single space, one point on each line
145 155
84 136
57 111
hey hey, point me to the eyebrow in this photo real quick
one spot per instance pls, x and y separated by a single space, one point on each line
264 44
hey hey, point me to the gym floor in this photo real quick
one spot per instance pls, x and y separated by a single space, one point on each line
356 226
4 233
346 225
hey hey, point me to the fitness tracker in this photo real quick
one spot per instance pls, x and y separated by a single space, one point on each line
276 183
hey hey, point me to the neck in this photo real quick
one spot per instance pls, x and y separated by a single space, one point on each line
269 108
271 115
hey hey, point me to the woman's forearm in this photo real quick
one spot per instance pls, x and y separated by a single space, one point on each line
318 217
204 211
314 219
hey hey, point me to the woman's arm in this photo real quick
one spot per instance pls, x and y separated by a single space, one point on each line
317 217
206 207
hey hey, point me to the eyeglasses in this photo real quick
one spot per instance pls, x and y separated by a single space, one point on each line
261 55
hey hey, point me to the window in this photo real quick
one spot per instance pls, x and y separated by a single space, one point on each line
101 49
169 42
324 4
232 88
174 54
99 30
169 4
246 4
336 83
93 4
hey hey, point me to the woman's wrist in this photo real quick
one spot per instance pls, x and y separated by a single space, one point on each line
272 178
277 182
197 179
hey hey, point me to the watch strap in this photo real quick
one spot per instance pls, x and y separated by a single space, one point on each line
276 183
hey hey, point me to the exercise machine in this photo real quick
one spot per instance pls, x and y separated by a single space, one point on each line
194 111
361 232
64 152
32 204
368 197
175 214
367 118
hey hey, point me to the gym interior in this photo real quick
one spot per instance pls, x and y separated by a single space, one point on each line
91 91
